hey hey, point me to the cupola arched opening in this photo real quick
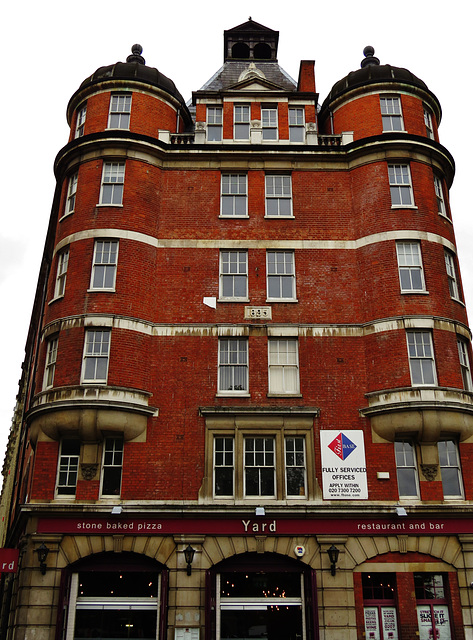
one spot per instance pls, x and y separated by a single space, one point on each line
262 51
240 50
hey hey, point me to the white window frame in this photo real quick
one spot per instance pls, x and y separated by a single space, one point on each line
233 269
421 358
391 113
112 458
113 182
97 353
68 465
406 464
241 121
263 456
233 358
269 123
278 196
104 265
71 194
283 364
429 127
441 206
223 462
296 124
61 273
289 449
234 191
409 260
50 363
80 121
280 272
214 124
400 185
451 270
119 111
449 459
462 345
293 455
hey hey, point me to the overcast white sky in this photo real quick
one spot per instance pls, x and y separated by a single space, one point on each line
49 47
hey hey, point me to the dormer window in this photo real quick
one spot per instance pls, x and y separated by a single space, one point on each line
214 124
242 122
269 119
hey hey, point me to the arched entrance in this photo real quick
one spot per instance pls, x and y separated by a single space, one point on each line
261 596
111 595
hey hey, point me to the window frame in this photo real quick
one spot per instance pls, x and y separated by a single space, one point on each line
281 429
440 197
113 448
290 276
269 123
107 266
451 461
102 355
231 275
61 273
296 128
276 363
113 176
416 352
68 464
50 362
234 367
241 122
214 122
428 121
80 121
434 604
233 193
71 194
391 113
120 110
272 184
464 359
400 183
452 277
408 446
407 264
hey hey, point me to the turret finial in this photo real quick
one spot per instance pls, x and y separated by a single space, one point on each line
370 58
136 56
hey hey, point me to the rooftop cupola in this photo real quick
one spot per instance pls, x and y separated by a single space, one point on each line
250 41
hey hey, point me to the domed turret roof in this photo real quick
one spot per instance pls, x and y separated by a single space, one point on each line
372 72
133 69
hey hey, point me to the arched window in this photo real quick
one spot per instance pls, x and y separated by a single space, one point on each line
240 50
260 596
262 51
111 595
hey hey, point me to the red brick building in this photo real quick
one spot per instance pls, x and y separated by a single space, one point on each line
248 351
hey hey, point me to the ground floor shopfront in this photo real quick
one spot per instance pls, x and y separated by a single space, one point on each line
247 578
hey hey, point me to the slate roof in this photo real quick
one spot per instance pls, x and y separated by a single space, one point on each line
229 74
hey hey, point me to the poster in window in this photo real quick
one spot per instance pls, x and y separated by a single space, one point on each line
371 623
343 465
440 628
388 616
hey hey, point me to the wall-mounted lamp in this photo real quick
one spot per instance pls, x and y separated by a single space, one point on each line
42 552
401 511
333 554
189 556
